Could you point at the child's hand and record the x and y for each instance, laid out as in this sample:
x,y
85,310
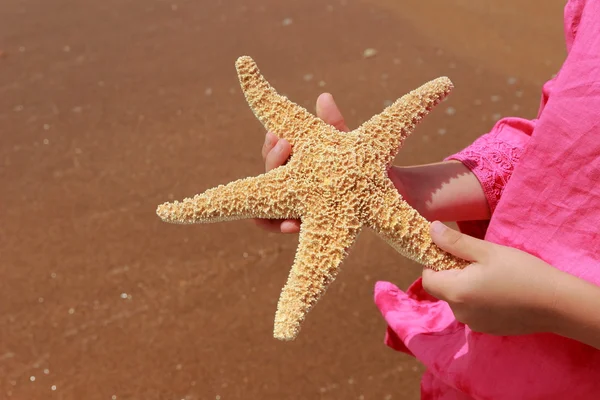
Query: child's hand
x,y
275,153
504,292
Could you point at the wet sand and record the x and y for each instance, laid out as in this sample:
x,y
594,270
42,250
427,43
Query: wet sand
x,y
110,108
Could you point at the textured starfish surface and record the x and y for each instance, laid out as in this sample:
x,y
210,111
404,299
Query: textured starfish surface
x,y
335,182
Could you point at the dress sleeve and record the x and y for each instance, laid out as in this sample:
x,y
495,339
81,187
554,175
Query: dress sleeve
x,y
492,158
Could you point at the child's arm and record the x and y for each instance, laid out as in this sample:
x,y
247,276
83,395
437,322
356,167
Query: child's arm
x,y
446,191
575,304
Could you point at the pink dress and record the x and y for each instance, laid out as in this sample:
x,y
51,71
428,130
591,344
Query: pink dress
x,y
542,181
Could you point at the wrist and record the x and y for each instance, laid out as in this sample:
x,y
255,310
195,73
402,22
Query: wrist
x,y
544,297
574,309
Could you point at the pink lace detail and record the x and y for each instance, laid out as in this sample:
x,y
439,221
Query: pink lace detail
x,y
492,161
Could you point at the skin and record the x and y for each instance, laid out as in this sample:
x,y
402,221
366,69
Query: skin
x,y
504,291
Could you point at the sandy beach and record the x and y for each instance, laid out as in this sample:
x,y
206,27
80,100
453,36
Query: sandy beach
x,y
109,108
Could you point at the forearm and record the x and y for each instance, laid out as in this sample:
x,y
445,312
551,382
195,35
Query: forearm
x,y
576,309
446,191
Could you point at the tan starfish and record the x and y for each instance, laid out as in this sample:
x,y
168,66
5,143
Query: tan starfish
x,y
335,182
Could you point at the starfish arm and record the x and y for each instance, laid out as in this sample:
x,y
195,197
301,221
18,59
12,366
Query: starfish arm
x,y
406,230
322,247
387,131
268,195
279,115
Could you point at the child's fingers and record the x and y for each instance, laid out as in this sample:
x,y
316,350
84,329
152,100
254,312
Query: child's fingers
x,y
329,112
270,142
290,226
278,155
275,152
441,284
457,243
271,225
278,225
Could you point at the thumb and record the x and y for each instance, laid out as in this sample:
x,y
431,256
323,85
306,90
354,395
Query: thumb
x,y
441,284
454,242
329,112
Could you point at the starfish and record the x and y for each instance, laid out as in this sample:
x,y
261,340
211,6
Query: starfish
x,y
335,182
